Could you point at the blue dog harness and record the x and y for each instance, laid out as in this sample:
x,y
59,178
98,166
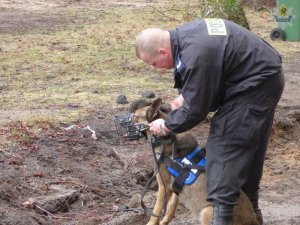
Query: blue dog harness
x,y
190,159
185,170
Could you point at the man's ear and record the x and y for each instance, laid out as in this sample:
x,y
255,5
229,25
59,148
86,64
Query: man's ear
x,y
163,51
153,110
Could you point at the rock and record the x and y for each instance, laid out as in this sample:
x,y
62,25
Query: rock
x,y
2,87
143,176
57,201
10,217
135,201
148,94
121,99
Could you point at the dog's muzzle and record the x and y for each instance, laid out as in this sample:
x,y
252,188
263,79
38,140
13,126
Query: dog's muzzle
x,y
127,129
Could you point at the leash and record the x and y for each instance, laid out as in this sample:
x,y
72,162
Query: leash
x,y
155,142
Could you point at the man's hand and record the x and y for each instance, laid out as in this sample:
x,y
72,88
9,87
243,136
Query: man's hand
x,y
158,128
177,102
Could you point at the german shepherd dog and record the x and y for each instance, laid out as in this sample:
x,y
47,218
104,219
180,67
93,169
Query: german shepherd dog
x,y
193,196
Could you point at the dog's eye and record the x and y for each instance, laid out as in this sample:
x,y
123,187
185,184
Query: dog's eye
x,y
134,117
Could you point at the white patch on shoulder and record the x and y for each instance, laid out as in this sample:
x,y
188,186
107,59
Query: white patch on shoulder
x,y
216,26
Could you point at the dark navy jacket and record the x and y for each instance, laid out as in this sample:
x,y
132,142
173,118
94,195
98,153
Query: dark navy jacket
x,y
216,62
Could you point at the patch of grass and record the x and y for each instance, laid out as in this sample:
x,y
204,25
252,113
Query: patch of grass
x,y
90,59
87,63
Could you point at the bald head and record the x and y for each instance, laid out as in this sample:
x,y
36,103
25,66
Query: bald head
x,y
150,40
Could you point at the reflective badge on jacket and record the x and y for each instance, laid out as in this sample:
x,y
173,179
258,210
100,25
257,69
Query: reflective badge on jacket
x,y
180,67
193,174
216,26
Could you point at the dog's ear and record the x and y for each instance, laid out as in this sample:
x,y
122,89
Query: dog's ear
x,y
137,104
153,110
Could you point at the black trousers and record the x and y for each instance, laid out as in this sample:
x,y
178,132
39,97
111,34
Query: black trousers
x,y
238,140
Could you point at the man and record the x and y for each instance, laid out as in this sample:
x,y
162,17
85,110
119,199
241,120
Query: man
x,y
222,67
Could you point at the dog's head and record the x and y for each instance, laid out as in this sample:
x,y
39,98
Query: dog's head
x,y
134,125
149,111
143,112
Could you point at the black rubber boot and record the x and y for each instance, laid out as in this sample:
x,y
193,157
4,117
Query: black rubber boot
x,y
222,215
253,197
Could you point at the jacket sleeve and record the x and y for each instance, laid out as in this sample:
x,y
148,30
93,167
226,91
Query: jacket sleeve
x,y
202,91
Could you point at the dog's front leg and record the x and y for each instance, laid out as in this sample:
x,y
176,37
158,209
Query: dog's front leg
x,y
159,202
171,208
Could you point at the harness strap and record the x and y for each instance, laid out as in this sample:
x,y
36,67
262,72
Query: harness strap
x,y
193,166
197,158
172,163
179,181
156,141
174,144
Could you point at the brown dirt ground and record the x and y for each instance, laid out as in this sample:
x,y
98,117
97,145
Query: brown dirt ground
x,y
105,176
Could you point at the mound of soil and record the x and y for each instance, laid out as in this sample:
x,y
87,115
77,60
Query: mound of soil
x,y
83,174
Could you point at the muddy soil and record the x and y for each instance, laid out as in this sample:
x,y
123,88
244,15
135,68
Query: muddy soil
x,y
83,174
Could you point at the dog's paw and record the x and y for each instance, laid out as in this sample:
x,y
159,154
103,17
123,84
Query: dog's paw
x,y
152,223
163,223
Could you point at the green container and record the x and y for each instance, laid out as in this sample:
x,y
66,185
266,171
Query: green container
x,y
287,15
